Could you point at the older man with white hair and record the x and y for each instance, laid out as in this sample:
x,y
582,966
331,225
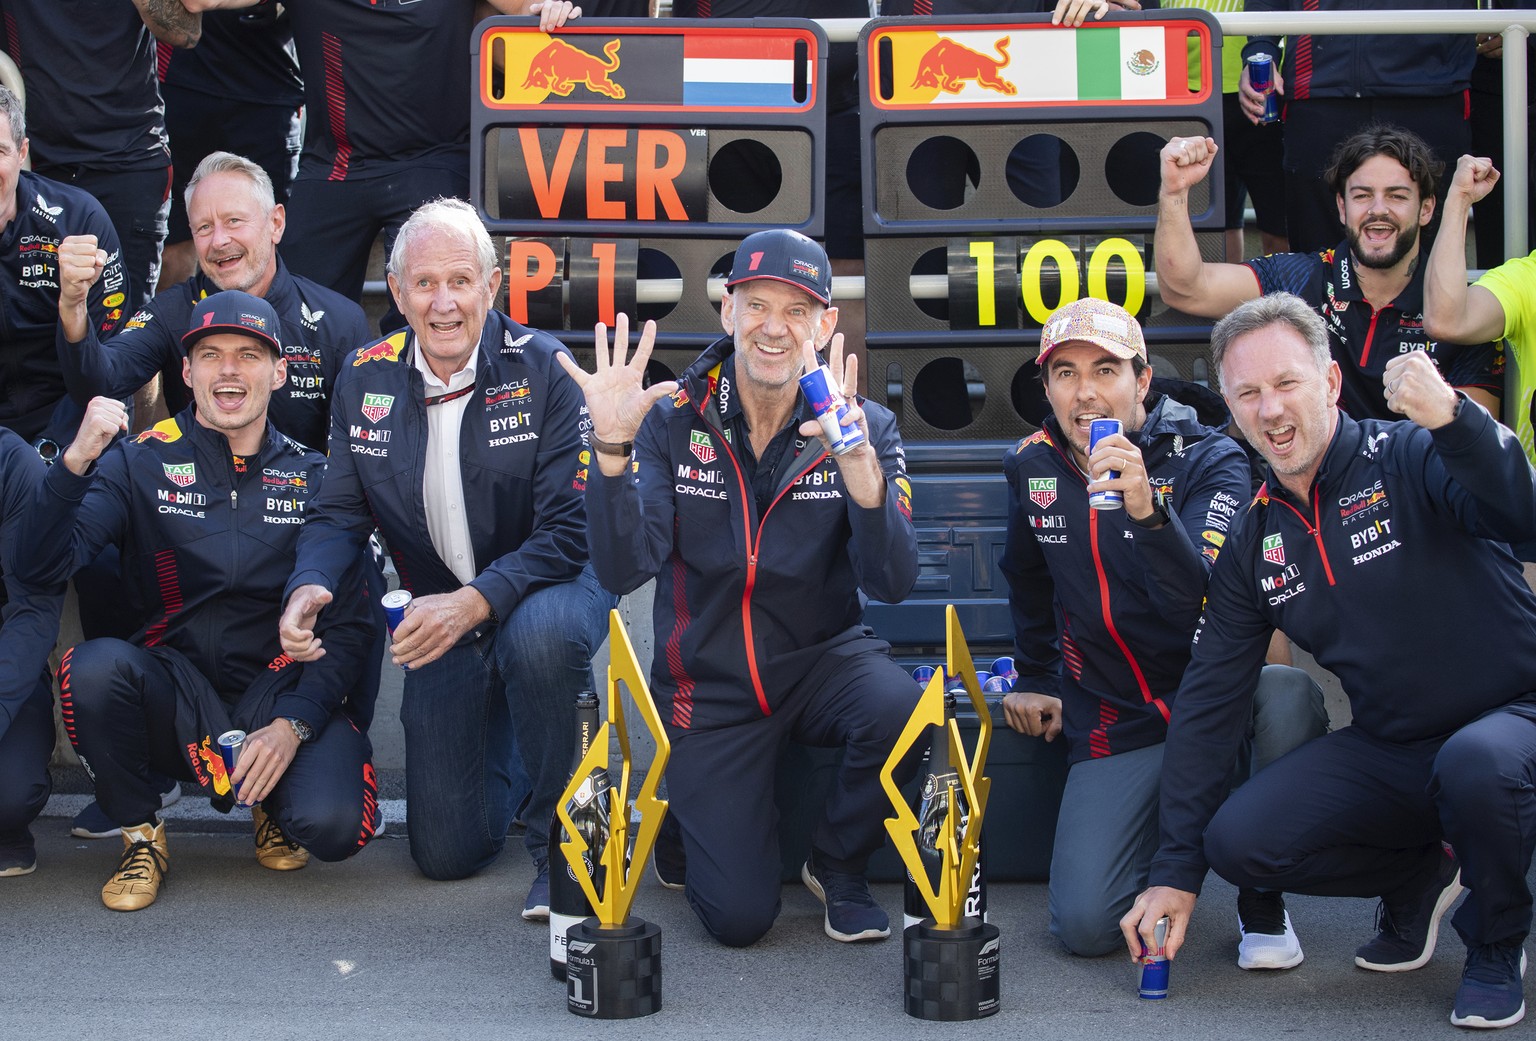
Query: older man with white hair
x,y
460,437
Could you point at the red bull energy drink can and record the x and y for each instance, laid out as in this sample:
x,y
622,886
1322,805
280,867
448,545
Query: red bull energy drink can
x,y
230,743
1098,430
395,602
831,409
1261,77
996,684
1154,964
923,674
1005,668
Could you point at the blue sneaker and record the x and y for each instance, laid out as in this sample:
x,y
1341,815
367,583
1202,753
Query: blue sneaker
x,y
93,822
1491,994
536,907
1407,928
852,913
18,857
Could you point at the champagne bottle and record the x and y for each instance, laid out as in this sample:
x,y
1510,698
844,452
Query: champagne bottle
x,y
939,779
589,810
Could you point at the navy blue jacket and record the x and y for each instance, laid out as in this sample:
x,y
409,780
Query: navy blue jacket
x,y
521,458
1394,575
205,550
32,396
748,603
1363,339
319,328
1422,65
1103,609
29,617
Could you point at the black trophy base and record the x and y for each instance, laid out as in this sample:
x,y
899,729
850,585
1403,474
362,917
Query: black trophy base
x,y
951,974
613,973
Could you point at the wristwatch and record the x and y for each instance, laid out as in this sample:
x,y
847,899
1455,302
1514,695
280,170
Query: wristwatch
x,y
1157,518
301,730
620,448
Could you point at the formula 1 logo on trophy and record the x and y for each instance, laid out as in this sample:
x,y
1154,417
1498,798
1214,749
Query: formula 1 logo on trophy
x,y
613,961
950,961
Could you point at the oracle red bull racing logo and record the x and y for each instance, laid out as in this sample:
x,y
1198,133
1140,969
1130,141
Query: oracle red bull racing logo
x,y
560,67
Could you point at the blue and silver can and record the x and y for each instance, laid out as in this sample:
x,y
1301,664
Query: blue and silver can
x,y
996,684
395,602
1261,77
1005,668
831,408
1098,430
230,743
1154,964
923,674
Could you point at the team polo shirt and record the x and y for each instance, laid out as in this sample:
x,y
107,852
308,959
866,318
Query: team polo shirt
x,y
1513,285
92,96
1364,339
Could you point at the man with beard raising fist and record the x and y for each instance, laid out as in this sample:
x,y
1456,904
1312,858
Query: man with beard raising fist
x,y
1369,289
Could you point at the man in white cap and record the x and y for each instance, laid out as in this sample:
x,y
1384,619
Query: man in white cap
x,y
1104,603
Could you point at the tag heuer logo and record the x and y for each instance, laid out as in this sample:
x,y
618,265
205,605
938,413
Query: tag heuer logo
x,y
1042,491
698,444
377,406
180,474
1274,550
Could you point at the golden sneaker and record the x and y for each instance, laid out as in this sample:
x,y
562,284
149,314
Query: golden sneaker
x,y
274,850
146,861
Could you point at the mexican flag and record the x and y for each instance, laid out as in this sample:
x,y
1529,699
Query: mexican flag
x,y
1040,63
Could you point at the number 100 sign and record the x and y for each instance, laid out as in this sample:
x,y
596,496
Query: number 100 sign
x,y
1012,282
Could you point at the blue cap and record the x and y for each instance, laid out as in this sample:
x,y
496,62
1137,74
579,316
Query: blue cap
x,y
783,256
235,312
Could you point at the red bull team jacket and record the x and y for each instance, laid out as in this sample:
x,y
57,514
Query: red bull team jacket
x,y
1394,574
521,457
29,617
206,544
748,602
319,328
1103,609
33,401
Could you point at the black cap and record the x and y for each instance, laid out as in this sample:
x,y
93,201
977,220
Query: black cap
x,y
784,256
235,312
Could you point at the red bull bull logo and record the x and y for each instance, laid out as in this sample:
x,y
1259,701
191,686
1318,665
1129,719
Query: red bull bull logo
x,y
213,765
947,66
384,350
559,67
152,435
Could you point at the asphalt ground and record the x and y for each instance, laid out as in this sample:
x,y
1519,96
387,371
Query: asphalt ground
x,y
369,948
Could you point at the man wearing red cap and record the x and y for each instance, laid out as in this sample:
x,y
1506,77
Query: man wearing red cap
x,y
761,542
206,509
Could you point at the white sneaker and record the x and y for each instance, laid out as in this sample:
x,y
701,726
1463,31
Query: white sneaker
x,y
1268,941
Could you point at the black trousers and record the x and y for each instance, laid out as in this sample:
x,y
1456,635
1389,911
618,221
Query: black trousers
x,y
120,708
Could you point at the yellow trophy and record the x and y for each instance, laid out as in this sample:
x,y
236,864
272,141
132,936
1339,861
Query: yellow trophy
x,y
950,961
613,960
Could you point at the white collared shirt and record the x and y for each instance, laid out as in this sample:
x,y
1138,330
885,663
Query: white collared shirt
x,y
442,482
